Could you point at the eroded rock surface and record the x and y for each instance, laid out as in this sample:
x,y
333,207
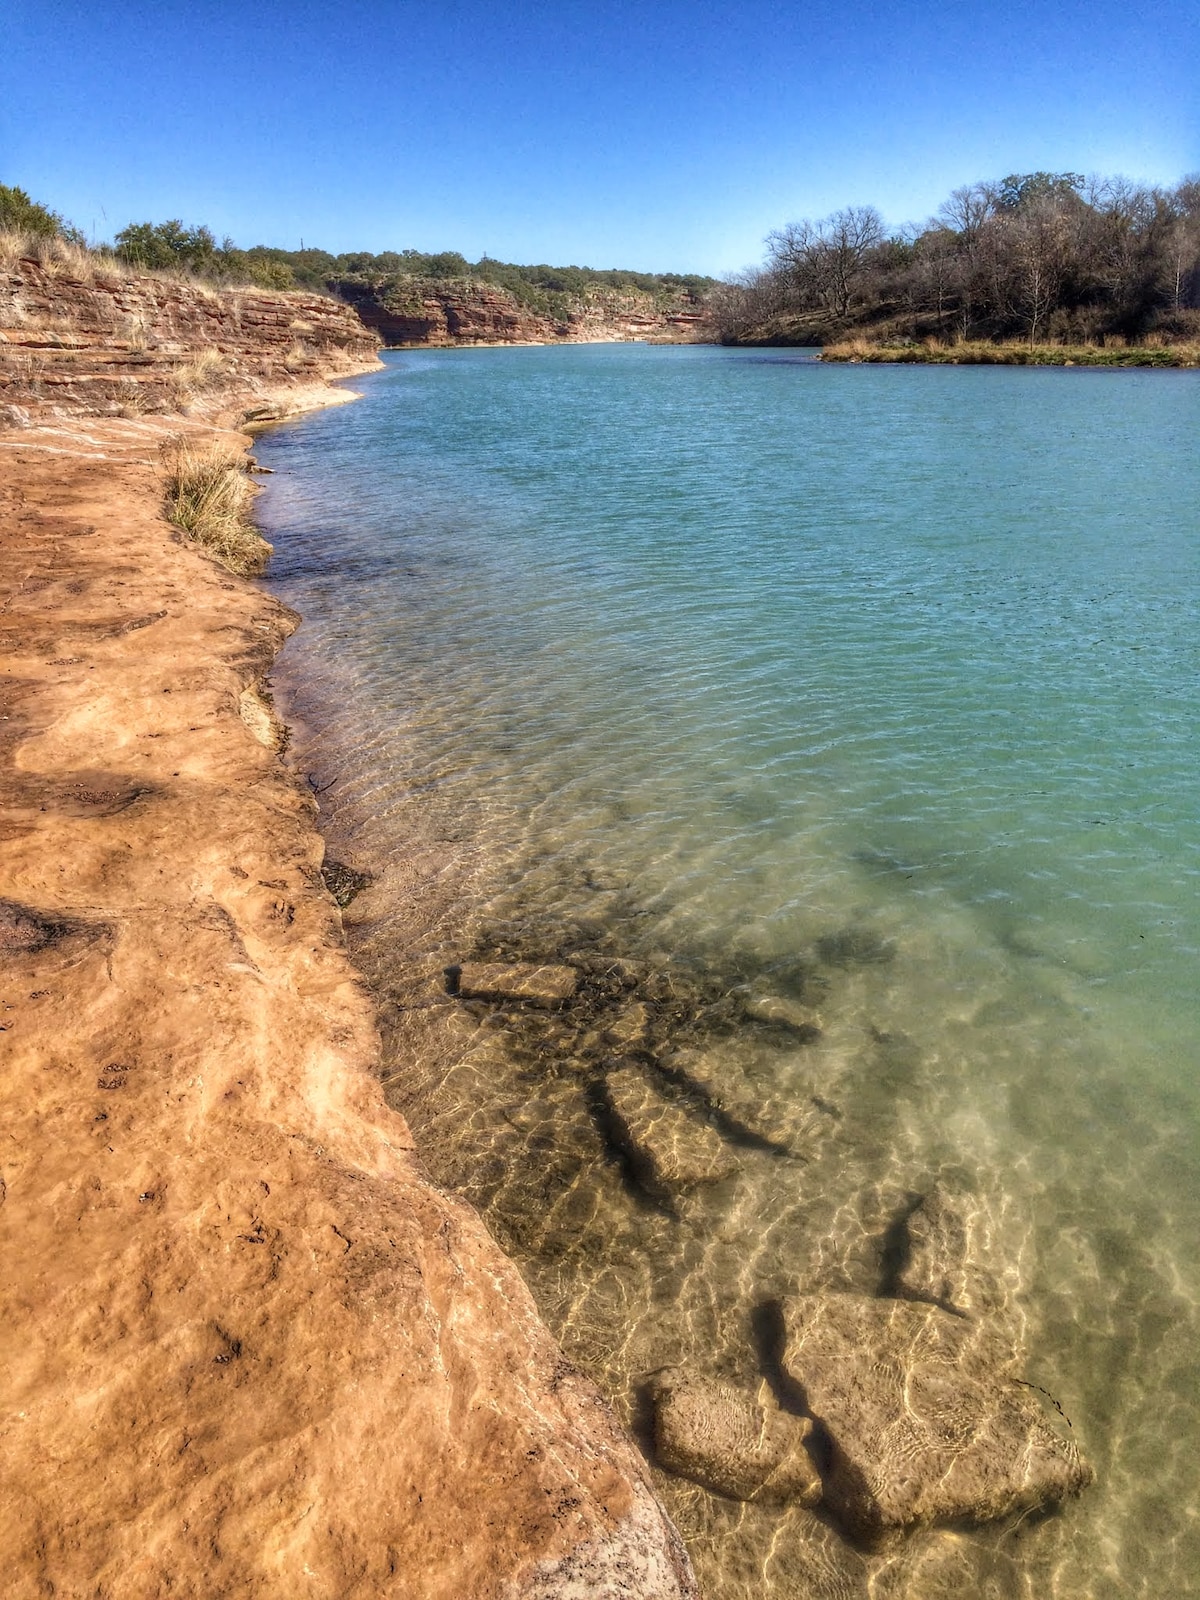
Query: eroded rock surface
x,y
731,1443
246,1347
446,311
924,1426
110,340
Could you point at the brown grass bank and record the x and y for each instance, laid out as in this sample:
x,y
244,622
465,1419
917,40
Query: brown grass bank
x,y
1015,353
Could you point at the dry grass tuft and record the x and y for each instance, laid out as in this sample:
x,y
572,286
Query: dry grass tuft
x,y
297,356
58,257
209,496
203,373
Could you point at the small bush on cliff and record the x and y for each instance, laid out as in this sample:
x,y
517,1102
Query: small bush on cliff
x,y
208,497
206,371
20,214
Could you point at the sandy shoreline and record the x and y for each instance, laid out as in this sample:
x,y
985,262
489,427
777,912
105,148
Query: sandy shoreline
x,y
249,1347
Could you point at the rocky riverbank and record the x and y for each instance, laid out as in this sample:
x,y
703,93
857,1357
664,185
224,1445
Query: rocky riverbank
x,y
81,336
249,1347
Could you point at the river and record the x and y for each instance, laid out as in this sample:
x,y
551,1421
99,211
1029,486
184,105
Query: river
x,y
872,692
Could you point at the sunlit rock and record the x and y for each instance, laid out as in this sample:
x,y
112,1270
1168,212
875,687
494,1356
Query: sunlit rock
x,y
671,1148
730,1443
924,1426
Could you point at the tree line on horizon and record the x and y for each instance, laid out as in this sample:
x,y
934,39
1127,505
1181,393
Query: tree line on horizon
x,y
1043,256
195,250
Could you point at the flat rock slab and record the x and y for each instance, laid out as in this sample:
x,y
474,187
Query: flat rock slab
x,y
778,1114
515,980
947,1257
783,1012
924,1426
725,1440
671,1148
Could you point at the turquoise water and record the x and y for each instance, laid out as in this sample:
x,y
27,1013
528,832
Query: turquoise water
x,y
696,659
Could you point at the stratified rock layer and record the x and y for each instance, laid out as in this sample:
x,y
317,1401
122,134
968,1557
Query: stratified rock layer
x,y
112,341
447,311
925,1425
247,1348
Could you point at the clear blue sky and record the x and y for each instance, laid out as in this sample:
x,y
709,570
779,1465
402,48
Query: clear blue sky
x,y
661,136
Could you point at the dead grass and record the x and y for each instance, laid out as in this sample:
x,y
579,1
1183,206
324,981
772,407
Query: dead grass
x,y
1114,352
205,372
58,258
209,495
298,356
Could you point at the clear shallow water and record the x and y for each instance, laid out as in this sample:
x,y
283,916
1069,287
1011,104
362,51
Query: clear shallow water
x,y
687,659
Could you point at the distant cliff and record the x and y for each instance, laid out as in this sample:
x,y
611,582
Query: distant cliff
x,y
407,310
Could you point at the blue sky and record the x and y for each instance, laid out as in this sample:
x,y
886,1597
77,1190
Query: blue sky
x,y
660,136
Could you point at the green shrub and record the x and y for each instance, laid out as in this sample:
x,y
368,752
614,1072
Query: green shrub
x,y
20,214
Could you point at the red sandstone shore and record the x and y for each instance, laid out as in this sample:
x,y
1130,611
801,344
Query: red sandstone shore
x,y
249,1348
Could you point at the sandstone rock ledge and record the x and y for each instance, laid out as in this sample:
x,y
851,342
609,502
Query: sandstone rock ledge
x,y
247,1348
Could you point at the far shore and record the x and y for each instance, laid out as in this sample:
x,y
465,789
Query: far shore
x,y
970,353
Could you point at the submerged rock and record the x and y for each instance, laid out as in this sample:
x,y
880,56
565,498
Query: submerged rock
x,y
343,882
855,946
778,1115
671,1148
943,1256
800,1019
924,1426
630,1026
513,980
723,1439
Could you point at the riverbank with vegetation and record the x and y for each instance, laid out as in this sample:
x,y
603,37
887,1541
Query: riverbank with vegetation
x,y
1045,260
1015,353
406,296
235,1301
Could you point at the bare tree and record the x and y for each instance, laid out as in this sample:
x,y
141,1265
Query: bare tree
x,y
1039,254
743,303
968,209
825,259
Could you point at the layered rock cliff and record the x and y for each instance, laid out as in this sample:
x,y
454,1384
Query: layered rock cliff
x,y
85,337
445,311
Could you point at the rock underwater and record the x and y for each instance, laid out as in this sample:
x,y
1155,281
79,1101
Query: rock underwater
x,y
730,1443
925,1423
